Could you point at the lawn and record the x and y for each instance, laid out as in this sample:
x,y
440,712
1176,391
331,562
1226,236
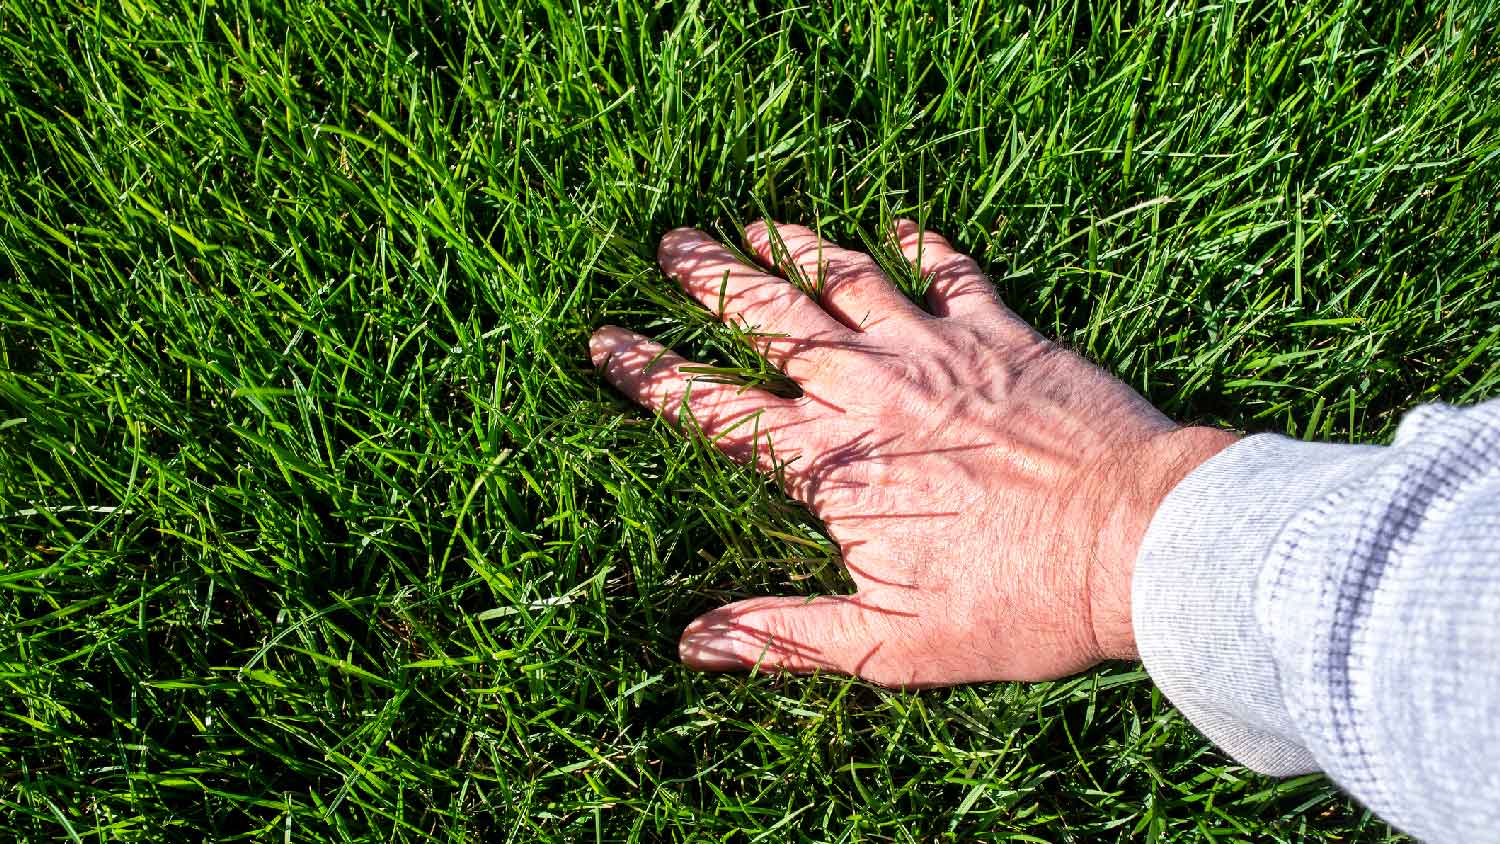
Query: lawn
x,y
317,525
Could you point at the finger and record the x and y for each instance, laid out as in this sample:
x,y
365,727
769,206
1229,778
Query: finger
x,y
741,421
795,330
850,284
956,285
838,633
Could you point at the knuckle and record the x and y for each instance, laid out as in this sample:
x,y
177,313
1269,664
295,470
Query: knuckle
x,y
954,267
922,236
813,365
850,268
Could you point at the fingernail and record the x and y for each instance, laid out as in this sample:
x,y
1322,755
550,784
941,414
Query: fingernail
x,y
603,344
706,651
676,240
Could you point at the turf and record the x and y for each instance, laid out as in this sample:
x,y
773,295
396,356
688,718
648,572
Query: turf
x,y
317,526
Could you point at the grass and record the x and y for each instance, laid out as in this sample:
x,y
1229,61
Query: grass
x,y
317,526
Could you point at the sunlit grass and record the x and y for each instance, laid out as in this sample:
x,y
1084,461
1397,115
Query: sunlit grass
x,y
316,523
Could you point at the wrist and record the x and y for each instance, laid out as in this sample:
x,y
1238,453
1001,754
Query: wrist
x,y
1133,489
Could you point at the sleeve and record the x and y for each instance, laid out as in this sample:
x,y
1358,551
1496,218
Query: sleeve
x,y
1337,608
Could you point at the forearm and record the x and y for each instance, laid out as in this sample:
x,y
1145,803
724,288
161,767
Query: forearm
x,y
1318,607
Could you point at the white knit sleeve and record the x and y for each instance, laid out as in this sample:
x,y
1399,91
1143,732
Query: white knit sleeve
x,y
1337,608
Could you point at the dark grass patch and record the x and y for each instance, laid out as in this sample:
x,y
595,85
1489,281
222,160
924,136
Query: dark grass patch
x,y
316,523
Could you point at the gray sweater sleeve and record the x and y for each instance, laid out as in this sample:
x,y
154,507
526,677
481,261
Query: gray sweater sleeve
x,y
1337,608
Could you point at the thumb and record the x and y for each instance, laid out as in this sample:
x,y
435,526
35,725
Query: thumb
x,y
840,633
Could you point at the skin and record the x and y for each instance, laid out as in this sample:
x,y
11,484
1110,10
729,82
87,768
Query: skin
x,y
988,489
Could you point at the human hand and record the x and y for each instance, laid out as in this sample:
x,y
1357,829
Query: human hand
x,y
988,489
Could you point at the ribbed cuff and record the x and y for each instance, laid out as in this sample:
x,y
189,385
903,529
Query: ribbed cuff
x,y
1193,591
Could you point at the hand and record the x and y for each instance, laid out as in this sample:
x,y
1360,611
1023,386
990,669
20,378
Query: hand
x,y
988,489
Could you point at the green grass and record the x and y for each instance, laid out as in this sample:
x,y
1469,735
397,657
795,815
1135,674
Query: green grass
x,y
316,525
